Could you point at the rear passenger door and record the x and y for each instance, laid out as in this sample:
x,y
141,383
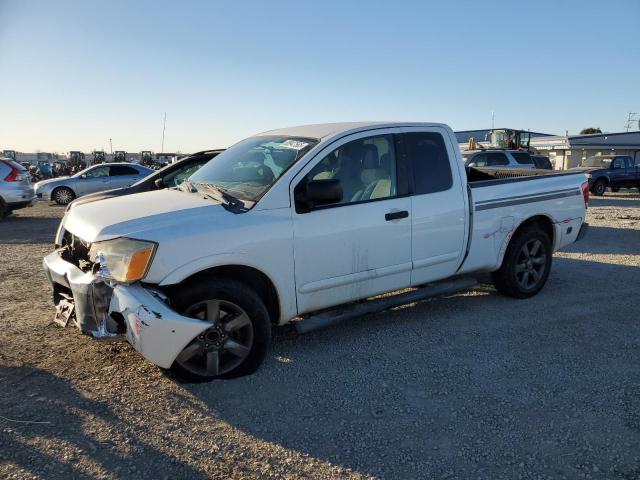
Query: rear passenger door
x,y
438,203
123,176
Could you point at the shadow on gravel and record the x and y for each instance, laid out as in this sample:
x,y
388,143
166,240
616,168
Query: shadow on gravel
x,y
16,230
607,240
38,396
473,386
616,200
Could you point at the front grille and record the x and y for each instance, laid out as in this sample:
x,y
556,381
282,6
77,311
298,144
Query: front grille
x,y
76,251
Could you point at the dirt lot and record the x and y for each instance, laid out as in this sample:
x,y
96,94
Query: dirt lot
x,y
471,386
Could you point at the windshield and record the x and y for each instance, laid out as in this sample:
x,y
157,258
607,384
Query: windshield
x,y
603,162
249,168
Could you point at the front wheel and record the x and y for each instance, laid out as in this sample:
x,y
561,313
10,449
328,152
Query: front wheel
x,y
237,338
599,188
526,264
63,195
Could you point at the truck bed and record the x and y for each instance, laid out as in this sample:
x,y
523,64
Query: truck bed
x,y
507,175
501,199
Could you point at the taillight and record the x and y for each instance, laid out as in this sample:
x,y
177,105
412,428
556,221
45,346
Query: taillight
x,y
585,194
14,174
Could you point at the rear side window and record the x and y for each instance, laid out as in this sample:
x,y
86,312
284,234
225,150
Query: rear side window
x,y
117,170
428,157
495,158
16,165
522,158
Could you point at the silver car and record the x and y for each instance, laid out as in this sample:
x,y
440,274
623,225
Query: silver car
x,y
96,178
15,187
499,159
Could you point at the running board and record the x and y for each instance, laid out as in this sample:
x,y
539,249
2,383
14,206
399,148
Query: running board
x,y
353,310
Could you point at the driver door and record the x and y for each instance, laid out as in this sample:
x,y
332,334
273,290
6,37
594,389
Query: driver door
x,y
94,180
360,246
618,175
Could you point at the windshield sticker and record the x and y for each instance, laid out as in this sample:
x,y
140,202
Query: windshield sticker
x,y
295,144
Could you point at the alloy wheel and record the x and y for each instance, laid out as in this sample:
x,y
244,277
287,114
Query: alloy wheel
x,y
531,264
63,196
224,345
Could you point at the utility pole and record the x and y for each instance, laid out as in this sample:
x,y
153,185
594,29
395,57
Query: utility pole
x,y
164,127
493,120
630,119
110,147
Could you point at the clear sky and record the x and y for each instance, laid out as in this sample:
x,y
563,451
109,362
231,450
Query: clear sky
x,y
74,74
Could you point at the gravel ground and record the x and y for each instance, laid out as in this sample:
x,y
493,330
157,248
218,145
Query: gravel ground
x,y
472,386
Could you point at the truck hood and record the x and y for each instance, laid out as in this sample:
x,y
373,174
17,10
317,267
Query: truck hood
x,y
131,215
585,169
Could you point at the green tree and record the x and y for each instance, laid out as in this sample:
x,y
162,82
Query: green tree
x,y
590,130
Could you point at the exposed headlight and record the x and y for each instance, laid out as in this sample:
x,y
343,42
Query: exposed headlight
x,y
123,259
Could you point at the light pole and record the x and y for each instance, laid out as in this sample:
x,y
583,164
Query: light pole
x,y
164,127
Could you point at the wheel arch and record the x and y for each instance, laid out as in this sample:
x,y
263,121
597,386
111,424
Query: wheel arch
x,y
250,276
601,178
542,221
58,187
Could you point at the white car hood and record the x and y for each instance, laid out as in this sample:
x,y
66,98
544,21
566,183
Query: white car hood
x,y
131,214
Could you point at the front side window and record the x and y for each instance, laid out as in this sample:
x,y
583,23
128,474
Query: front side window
x,y
366,169
618,163
97,172
478,160
427,154
179,175
249,168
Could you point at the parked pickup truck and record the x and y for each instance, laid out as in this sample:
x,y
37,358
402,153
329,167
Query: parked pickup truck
x,y
303,223
613,171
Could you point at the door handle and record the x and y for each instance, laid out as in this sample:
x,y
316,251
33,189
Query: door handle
x,y
396,215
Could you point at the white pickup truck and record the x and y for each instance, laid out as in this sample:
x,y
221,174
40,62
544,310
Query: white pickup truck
x,y
304,223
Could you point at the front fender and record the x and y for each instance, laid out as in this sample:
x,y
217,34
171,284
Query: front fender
x,y
282,281
204,263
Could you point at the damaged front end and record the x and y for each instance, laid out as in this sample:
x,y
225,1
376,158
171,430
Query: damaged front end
x,y
79,295
109,310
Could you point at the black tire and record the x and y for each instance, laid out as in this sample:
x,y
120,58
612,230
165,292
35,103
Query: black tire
x,y
615,189
4,210
599,188
228,293
510,278
63,195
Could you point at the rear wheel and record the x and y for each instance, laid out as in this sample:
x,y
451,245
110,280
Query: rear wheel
x,y
4,210
63,195
599,188
526,264
236,340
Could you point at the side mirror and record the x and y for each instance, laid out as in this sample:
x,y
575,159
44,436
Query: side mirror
x,y
317,193
159,183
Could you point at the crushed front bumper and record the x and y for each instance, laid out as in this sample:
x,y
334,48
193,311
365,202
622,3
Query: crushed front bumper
x,y
107,310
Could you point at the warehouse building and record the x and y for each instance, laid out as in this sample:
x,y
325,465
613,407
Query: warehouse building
x,y
570,151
